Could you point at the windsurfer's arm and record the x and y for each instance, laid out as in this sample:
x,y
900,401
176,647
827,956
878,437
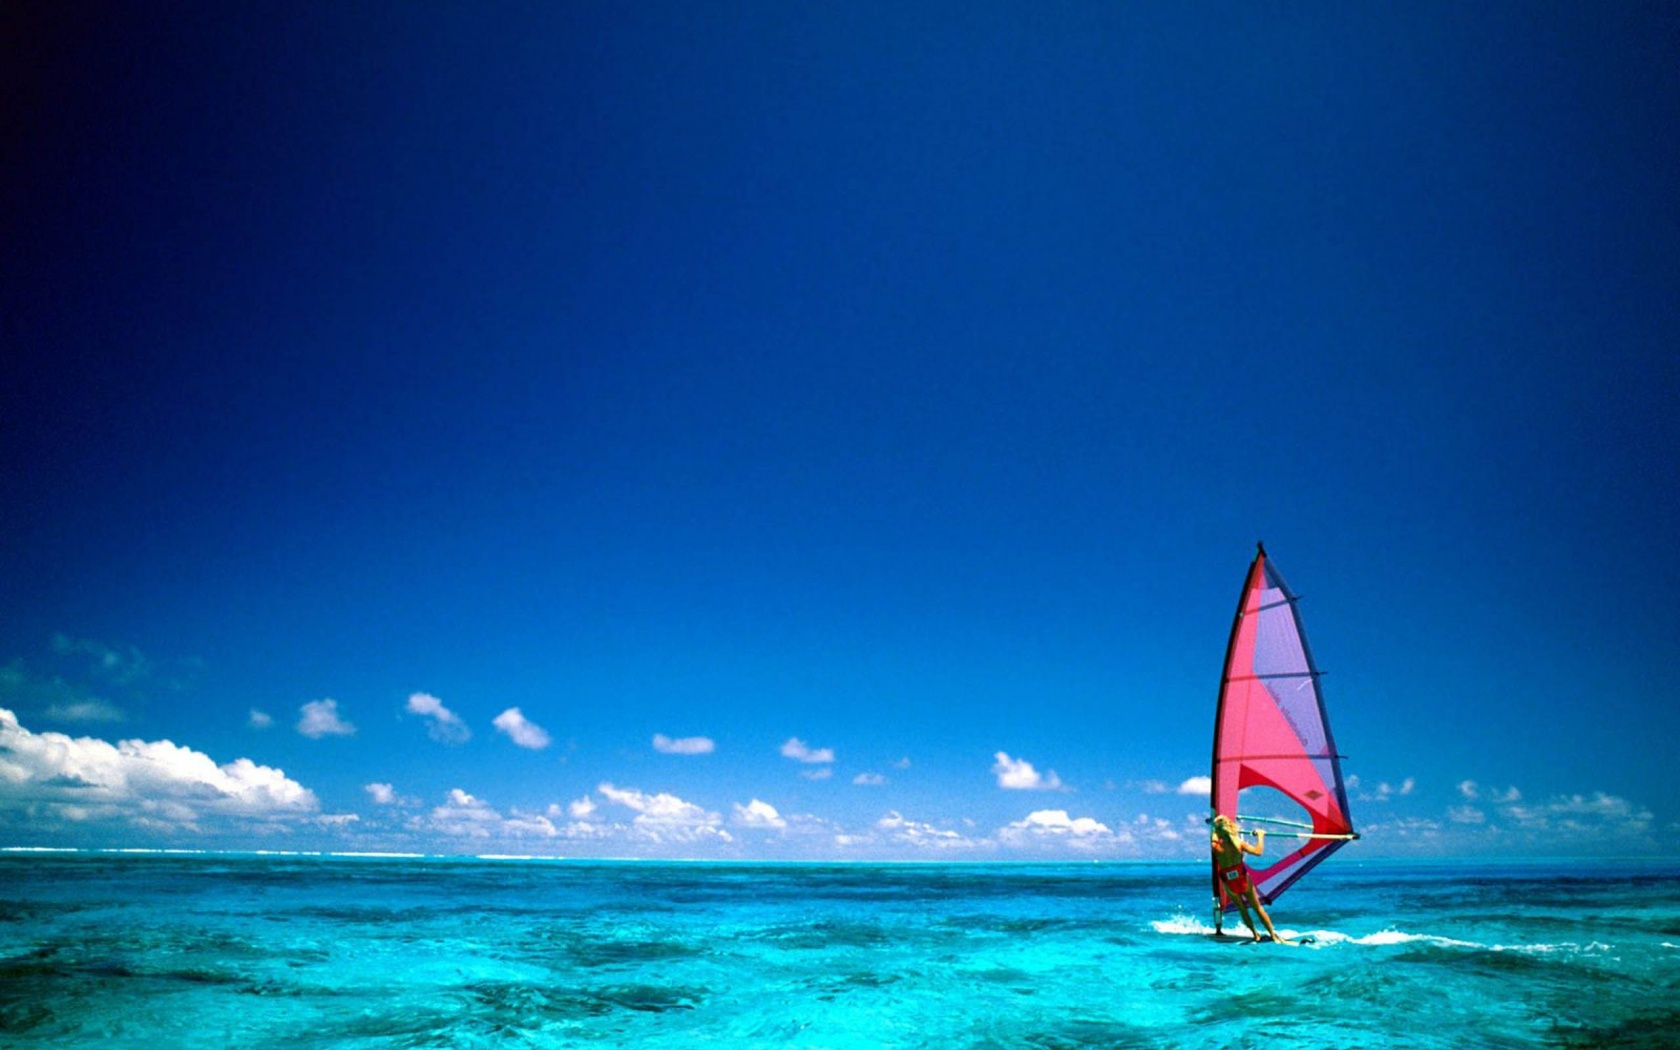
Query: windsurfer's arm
x,y
1259,847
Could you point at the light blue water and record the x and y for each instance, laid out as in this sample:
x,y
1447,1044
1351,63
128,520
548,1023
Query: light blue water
x,y
217,951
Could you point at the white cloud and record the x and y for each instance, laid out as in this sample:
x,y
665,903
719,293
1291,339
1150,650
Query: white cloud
x,y
464,816
1160,830
1579,814
1385,791
152,784
1418,832
1054,825
530,825
1500,818
688,745
1473,792
817,774
796,749
869,779
756,814
521,730
582,809
662,808
259,719
919,835
320,718
1200,787
664,818
445,725
903,763
1019,775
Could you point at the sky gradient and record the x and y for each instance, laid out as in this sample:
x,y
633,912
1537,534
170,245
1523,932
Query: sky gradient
x,y
830,432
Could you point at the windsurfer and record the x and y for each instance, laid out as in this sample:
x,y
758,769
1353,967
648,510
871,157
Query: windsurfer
x,y
1228,850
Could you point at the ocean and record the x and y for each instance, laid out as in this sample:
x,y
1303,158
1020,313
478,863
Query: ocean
x,y
213,950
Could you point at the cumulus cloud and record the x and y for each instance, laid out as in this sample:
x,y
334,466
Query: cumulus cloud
x,y
1199,787
149,784
1162,831
869,779
688,745
1384,791
1017,774
529,825
1056,826
797,750
756,814
1474,792
1576,814
521,730
1499,817
387,795
664,817
663,808
902,831
443,725
582,809
464,816
320,718
259,719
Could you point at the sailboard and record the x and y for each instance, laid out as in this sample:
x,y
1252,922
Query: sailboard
x,y
1274,761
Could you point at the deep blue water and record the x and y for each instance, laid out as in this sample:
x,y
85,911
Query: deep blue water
x,y
163,951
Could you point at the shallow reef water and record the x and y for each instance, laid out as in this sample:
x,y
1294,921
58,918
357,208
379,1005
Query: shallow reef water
x,y
153,950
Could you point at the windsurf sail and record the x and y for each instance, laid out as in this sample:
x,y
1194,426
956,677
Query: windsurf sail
x,y
1274,761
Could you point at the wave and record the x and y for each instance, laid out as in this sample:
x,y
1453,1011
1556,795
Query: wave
x,y
1184,925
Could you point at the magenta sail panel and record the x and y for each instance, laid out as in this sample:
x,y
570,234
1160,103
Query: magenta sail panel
x,y
1271,733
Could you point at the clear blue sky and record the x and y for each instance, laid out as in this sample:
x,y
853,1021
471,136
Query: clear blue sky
x,y
864,401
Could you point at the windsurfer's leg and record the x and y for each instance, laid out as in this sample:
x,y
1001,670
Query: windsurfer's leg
x,y
1248,920
1254,896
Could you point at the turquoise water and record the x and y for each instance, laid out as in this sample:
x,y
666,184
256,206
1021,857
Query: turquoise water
x,y
215,951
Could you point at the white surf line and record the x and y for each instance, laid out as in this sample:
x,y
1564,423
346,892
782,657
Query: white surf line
x,y
1189,926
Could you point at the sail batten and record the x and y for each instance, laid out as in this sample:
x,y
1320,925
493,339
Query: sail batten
x,y
1274,677
1271,731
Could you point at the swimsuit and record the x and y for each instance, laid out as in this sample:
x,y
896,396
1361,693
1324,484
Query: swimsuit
x,y
1233,880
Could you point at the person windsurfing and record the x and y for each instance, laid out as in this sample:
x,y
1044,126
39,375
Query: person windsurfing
x,y
1232,873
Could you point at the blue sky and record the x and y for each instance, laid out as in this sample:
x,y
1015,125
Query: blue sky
x,y
877,408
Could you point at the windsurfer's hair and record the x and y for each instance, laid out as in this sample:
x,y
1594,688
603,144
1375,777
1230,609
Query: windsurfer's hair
x,y
1225,826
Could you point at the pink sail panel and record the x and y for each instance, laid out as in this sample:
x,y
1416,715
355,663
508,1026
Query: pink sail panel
x,y
1271,730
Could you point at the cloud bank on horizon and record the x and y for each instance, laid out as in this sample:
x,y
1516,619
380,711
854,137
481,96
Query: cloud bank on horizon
x,y
57,789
